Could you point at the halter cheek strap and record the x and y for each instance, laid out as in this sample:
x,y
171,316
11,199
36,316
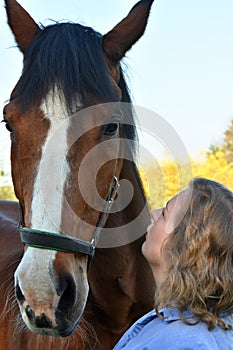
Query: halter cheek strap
x,y
63,243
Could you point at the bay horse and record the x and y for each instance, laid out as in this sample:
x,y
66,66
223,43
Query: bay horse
x,y
73,137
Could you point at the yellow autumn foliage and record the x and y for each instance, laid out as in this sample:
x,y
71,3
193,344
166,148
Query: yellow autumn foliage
x,y
215,167
162,180
7,193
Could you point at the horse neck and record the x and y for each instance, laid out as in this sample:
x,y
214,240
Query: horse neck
x,y
115,277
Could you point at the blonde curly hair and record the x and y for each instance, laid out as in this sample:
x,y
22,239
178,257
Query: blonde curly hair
x,y
199,258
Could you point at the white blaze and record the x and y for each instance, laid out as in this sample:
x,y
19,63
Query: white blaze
x,y
52,171
46,208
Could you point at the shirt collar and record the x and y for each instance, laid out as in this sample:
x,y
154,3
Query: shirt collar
x,y
169,313
172,314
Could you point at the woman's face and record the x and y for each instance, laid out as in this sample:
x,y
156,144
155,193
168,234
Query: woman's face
x,y
164,222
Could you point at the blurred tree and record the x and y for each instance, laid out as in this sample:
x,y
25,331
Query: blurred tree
x,y
163,181
228,144
7,193
213,151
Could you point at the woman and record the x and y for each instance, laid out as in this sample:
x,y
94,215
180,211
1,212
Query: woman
x,y
190,250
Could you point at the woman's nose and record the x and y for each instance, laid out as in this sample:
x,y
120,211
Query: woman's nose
x,y
149,227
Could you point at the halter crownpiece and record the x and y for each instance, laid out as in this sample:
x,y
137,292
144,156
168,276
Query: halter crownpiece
x,y
63,243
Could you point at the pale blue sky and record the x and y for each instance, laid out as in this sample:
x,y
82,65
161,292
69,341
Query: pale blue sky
x,y
182,68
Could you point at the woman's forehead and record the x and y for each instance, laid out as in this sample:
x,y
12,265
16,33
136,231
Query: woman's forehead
x,y
177,208
180,199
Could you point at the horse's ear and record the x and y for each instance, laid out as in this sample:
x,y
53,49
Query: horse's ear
x,y
21,23
122,37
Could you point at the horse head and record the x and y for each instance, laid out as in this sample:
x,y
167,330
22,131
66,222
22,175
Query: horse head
x,y
65,154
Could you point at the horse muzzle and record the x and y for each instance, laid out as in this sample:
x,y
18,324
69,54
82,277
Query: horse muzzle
x,y
51,300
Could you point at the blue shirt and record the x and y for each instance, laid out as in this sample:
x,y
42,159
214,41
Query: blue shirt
x,y
152,333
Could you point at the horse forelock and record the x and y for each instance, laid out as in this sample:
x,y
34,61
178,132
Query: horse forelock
x,y
69,57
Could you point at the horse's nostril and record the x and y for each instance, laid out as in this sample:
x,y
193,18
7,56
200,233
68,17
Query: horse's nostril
x,y
19,294
68,294
30,314
43,321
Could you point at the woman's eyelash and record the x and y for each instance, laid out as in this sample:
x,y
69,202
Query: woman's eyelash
x,y
163,212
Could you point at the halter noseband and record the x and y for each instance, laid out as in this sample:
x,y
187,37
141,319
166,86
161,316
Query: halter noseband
x,y
59,242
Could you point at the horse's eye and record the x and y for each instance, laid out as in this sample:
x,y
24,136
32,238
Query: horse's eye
x,y
111,129
7,124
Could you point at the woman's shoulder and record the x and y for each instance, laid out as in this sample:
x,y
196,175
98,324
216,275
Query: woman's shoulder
x,y
153,333
181,336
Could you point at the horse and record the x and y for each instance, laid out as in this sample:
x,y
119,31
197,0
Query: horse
x,y
71,269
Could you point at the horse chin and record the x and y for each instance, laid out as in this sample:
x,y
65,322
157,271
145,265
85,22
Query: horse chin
x,y
43,331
